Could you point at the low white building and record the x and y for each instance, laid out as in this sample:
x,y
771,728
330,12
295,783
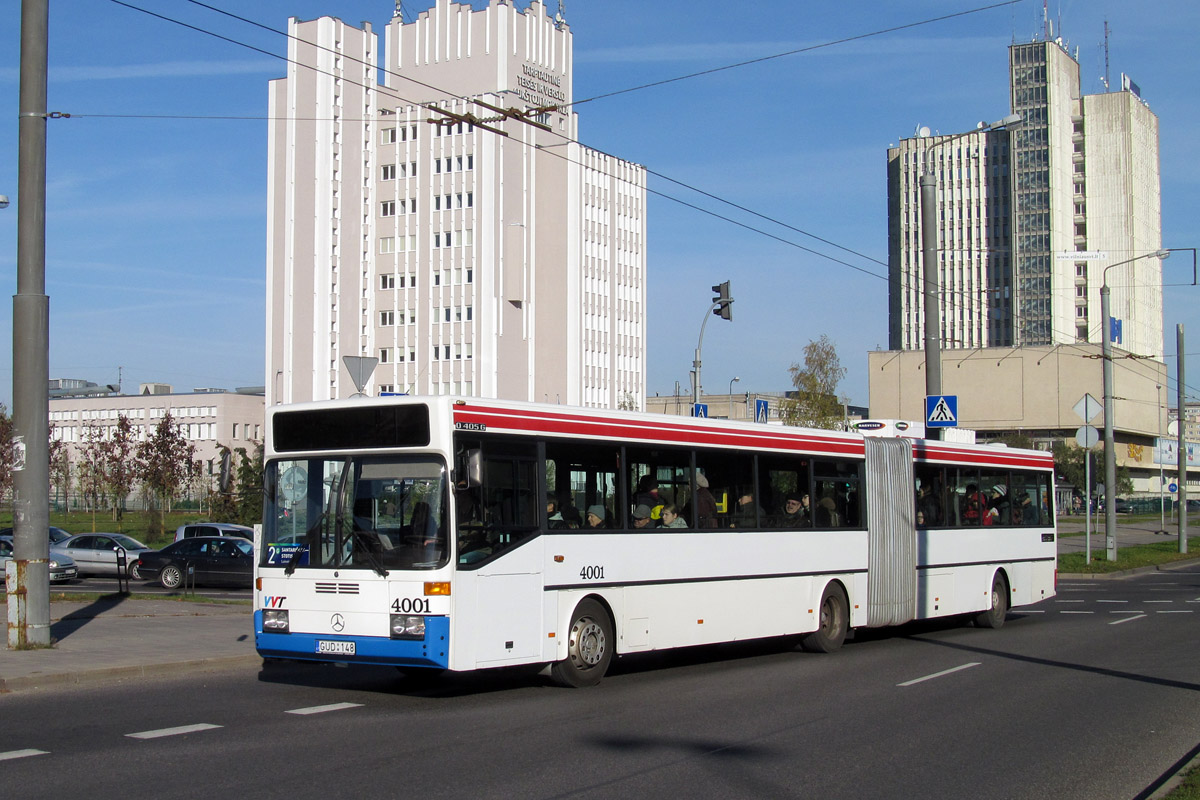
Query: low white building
x,y
207,418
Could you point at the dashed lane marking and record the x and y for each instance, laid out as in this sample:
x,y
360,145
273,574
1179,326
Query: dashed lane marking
x,y
1112,601
182,729
323,709
940,674
1070,601
11,754
1127,619
1077,612
1176,611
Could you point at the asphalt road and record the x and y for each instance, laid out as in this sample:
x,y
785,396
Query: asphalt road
x,y
1094,694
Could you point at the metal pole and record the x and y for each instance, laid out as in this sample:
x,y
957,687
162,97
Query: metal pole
x,y
1110,455
1182,447
1162,505
931,293
1087,503
731,383
29,581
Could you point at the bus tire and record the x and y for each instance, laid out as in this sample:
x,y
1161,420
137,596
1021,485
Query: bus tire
x,y
589,647
833,620
998,608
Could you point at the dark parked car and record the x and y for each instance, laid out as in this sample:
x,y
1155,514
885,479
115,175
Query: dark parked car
x,y
96,553
227,560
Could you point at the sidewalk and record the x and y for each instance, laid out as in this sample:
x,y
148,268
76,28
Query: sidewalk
x,y
127,638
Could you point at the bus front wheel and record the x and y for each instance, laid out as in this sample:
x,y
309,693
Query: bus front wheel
x,y
589,647
994,616
833,621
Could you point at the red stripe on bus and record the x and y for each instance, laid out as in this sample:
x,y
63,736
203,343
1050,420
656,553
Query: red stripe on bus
x,y
574,424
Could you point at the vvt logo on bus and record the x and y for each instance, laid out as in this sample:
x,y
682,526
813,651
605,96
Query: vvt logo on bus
x,y
273,602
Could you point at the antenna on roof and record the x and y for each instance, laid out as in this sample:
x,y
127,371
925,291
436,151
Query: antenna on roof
x,y
1106,56
399,12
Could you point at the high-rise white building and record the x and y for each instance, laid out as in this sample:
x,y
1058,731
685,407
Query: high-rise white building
x,y
1078,176
467,261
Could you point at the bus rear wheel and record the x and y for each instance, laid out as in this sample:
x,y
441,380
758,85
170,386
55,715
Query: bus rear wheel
x,y
994,616
589,647
833,622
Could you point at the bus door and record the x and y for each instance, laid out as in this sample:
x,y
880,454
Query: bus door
x,y
891,532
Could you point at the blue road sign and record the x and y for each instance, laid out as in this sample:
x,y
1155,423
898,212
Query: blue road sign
x,y
1172,487
941,411
700,410
760,410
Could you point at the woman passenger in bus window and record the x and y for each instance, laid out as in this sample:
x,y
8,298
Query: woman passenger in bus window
x,y
671,518
705,504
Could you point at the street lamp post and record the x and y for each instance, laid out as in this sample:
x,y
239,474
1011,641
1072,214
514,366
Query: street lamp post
x,y
731,383
1162,507
929,267
1110,456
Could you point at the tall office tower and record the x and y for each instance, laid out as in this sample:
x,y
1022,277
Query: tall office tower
x,y
1029,218
504,264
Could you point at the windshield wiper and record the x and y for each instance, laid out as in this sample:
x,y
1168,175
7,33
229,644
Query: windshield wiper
x,y
364,546
295,559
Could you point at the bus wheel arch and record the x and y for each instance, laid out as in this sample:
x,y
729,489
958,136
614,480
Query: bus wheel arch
x,y
833,620
590,641
998,602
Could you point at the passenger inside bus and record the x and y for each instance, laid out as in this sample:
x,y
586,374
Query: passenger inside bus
x,y
596,517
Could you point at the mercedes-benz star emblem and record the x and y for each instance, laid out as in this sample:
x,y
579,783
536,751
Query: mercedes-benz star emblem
x,y
337,622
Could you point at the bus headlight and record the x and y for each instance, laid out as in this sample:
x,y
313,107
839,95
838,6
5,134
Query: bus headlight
x,y
275,620
407,626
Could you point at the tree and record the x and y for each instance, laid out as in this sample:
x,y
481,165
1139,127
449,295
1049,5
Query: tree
x,y
1070,466
165,462
60,469
6,453
119,467
815,402
89,468
250,486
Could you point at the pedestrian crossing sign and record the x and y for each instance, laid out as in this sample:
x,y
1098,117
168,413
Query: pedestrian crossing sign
x,y
941,411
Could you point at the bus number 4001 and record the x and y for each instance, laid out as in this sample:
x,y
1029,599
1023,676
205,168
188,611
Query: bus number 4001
x,y
411,606
591,573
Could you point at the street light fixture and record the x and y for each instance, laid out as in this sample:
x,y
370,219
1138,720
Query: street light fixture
x,y
1110,456
929,266
3,201
731,383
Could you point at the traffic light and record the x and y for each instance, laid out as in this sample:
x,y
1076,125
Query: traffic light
x,y
724,301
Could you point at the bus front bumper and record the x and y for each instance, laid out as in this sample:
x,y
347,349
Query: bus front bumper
x,y
432,651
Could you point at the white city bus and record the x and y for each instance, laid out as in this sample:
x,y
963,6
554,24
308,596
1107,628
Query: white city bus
x,y
454,533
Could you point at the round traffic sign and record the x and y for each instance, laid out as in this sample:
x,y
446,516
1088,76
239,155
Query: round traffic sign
x,y
1172,487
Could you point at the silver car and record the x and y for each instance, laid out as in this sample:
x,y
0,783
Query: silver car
x,y
62,568
96,553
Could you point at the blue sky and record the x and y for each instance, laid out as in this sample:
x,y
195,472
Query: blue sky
x,y
156,227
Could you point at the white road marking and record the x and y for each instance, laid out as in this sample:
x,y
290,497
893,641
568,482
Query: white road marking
x,y
1029,611
182,729
1176,611
939,674
1112,601
1157,601
1127,619
1077,612
323,709
11,754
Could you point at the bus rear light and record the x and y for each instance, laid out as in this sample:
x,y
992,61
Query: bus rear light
x,y
275,620
406,626
437,588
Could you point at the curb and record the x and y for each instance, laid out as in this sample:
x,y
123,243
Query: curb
x,y
107,674
1125,573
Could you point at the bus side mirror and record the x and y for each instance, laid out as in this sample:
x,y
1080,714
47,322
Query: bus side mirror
x,y
474,468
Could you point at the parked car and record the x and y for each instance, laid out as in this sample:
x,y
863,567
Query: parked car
x,y
1123,506
62,568
96,553
213,529
56,534
227,560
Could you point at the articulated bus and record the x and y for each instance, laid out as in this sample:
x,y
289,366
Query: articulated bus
x,y
456,533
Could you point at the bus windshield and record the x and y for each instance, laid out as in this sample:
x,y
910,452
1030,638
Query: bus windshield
x,y
349,512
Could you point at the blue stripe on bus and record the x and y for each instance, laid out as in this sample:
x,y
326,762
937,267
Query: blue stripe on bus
x,y
433,651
